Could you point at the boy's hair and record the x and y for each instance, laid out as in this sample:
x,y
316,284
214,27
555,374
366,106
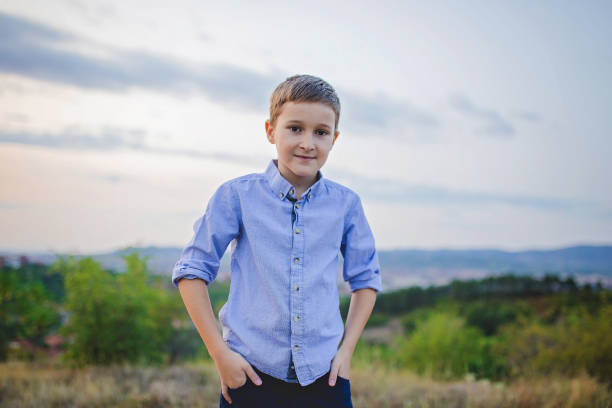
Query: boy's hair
x,y
303,88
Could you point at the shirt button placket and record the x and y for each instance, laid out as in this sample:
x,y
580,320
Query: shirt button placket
x,y
297,269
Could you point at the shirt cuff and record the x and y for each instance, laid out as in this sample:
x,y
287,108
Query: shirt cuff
x,y
190,273
374,283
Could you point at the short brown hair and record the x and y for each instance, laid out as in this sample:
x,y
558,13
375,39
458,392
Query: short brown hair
x,y
303,88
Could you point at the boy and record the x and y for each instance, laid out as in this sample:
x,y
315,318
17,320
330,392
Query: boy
x,y
281,323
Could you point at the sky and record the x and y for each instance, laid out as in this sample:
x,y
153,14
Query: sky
x,y
476,124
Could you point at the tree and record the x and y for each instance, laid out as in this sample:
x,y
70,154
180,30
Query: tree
x,y
108,313
27,310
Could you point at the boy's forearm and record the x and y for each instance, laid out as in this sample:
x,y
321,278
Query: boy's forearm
x,y
195,296
362,303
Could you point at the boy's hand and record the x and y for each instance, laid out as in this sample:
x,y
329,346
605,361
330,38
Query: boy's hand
x,y
341,365
233,371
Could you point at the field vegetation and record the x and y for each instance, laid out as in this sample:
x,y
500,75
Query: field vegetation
x,y
73,334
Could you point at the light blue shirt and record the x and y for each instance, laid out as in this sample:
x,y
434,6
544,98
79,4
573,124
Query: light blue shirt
x,y
282,313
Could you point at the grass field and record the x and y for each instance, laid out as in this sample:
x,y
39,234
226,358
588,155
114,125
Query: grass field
x,y
197,385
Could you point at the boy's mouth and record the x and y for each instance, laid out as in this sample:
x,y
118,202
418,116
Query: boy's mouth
x,y
304,157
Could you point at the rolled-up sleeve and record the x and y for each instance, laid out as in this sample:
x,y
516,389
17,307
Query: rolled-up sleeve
x,y
361,268
213,232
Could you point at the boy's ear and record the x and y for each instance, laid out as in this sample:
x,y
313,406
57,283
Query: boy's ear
x,y
269,131
335,137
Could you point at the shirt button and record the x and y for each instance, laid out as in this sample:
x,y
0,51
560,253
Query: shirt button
x,y
292,367
297,231
309,196
296,287
296,348
291,191
297,205
281,195
296,318
296,260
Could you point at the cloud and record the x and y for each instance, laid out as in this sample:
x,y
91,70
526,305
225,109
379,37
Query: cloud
x,y
113,178
109,139
528,116
382,112
73,138
10,205
14,117
34,50
393,191
378,189
11,87
493,124
18,30
93,13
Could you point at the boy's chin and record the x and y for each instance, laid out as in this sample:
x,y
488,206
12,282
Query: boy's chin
x,y
301,172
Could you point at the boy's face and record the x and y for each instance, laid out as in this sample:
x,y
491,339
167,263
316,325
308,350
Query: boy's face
x,y
303,135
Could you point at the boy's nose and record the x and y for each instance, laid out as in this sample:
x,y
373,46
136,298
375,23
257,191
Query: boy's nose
x,y
307,142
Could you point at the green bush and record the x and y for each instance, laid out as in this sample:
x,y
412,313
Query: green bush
x,y
578,342
368,355
443,347
489,315
377,320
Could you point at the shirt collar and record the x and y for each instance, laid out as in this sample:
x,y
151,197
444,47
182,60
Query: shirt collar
x,y
282,187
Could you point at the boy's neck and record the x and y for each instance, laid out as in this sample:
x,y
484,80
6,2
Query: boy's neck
x,y
300,184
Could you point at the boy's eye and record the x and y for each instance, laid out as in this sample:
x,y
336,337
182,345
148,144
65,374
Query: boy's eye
x,y
321,132
294,128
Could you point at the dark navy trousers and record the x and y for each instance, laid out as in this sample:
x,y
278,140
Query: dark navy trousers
x,y
275,393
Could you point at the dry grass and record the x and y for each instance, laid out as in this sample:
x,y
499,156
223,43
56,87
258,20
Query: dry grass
x,y
378,387
197,385
34,385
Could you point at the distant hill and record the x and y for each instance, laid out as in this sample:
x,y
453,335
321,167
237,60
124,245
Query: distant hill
x,y
408,267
